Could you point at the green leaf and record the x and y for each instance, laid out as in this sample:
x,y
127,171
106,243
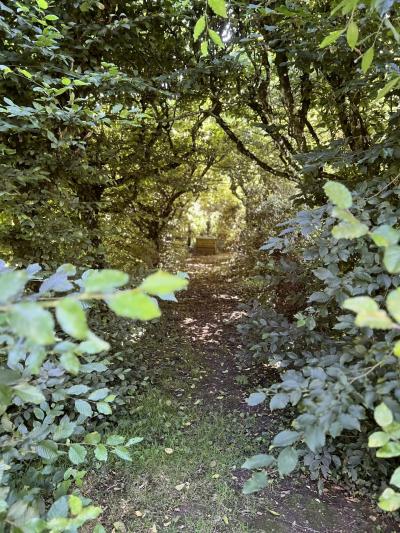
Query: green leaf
x,y
66,81
385,236
162,283
92,438
255,398
83,407
367,59
25,73
388,87
72,318
11,284
29,393
260,460
331,38
199,27
215,38
101,453
285,438
115,440
374,319
395,479
98,394
396,349
64,430
70,362
47,450
391,259
257,482
393,304
122,453
378,439
75,504
314,437
279,401
42,4
383,415
338,194
204,48
219,7
134,304
389,500
77,454
360,303
391,449
349,230
287,461
93,344
133,441
104,280
352,34
6,394
30,320
103,408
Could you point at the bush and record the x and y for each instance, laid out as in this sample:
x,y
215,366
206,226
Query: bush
x,y
52,394
337,370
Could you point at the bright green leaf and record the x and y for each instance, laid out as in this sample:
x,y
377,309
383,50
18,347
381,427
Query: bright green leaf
x,y
374,319
219,7
378,439
215,38
104,280
162,283
360,303
395,479
70,362
389,500
393,304
352,34
100,452
331,38
75,504
32,321
383,415
367,59
134,304
385,236
199,28
72,318
338,194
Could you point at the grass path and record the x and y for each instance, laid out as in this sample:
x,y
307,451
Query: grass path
x,y
198,430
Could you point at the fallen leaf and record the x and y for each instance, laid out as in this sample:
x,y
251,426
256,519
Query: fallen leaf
x,y
181,486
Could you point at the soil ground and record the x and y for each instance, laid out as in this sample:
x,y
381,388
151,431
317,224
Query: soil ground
x,y
198,430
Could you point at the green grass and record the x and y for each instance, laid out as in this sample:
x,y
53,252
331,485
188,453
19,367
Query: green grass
x,y
195,487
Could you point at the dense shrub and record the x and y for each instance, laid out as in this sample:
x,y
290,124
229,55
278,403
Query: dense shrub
x,y
56,388
335,371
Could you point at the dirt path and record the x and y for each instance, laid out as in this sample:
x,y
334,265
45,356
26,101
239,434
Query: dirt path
x,y
208,315
198,430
